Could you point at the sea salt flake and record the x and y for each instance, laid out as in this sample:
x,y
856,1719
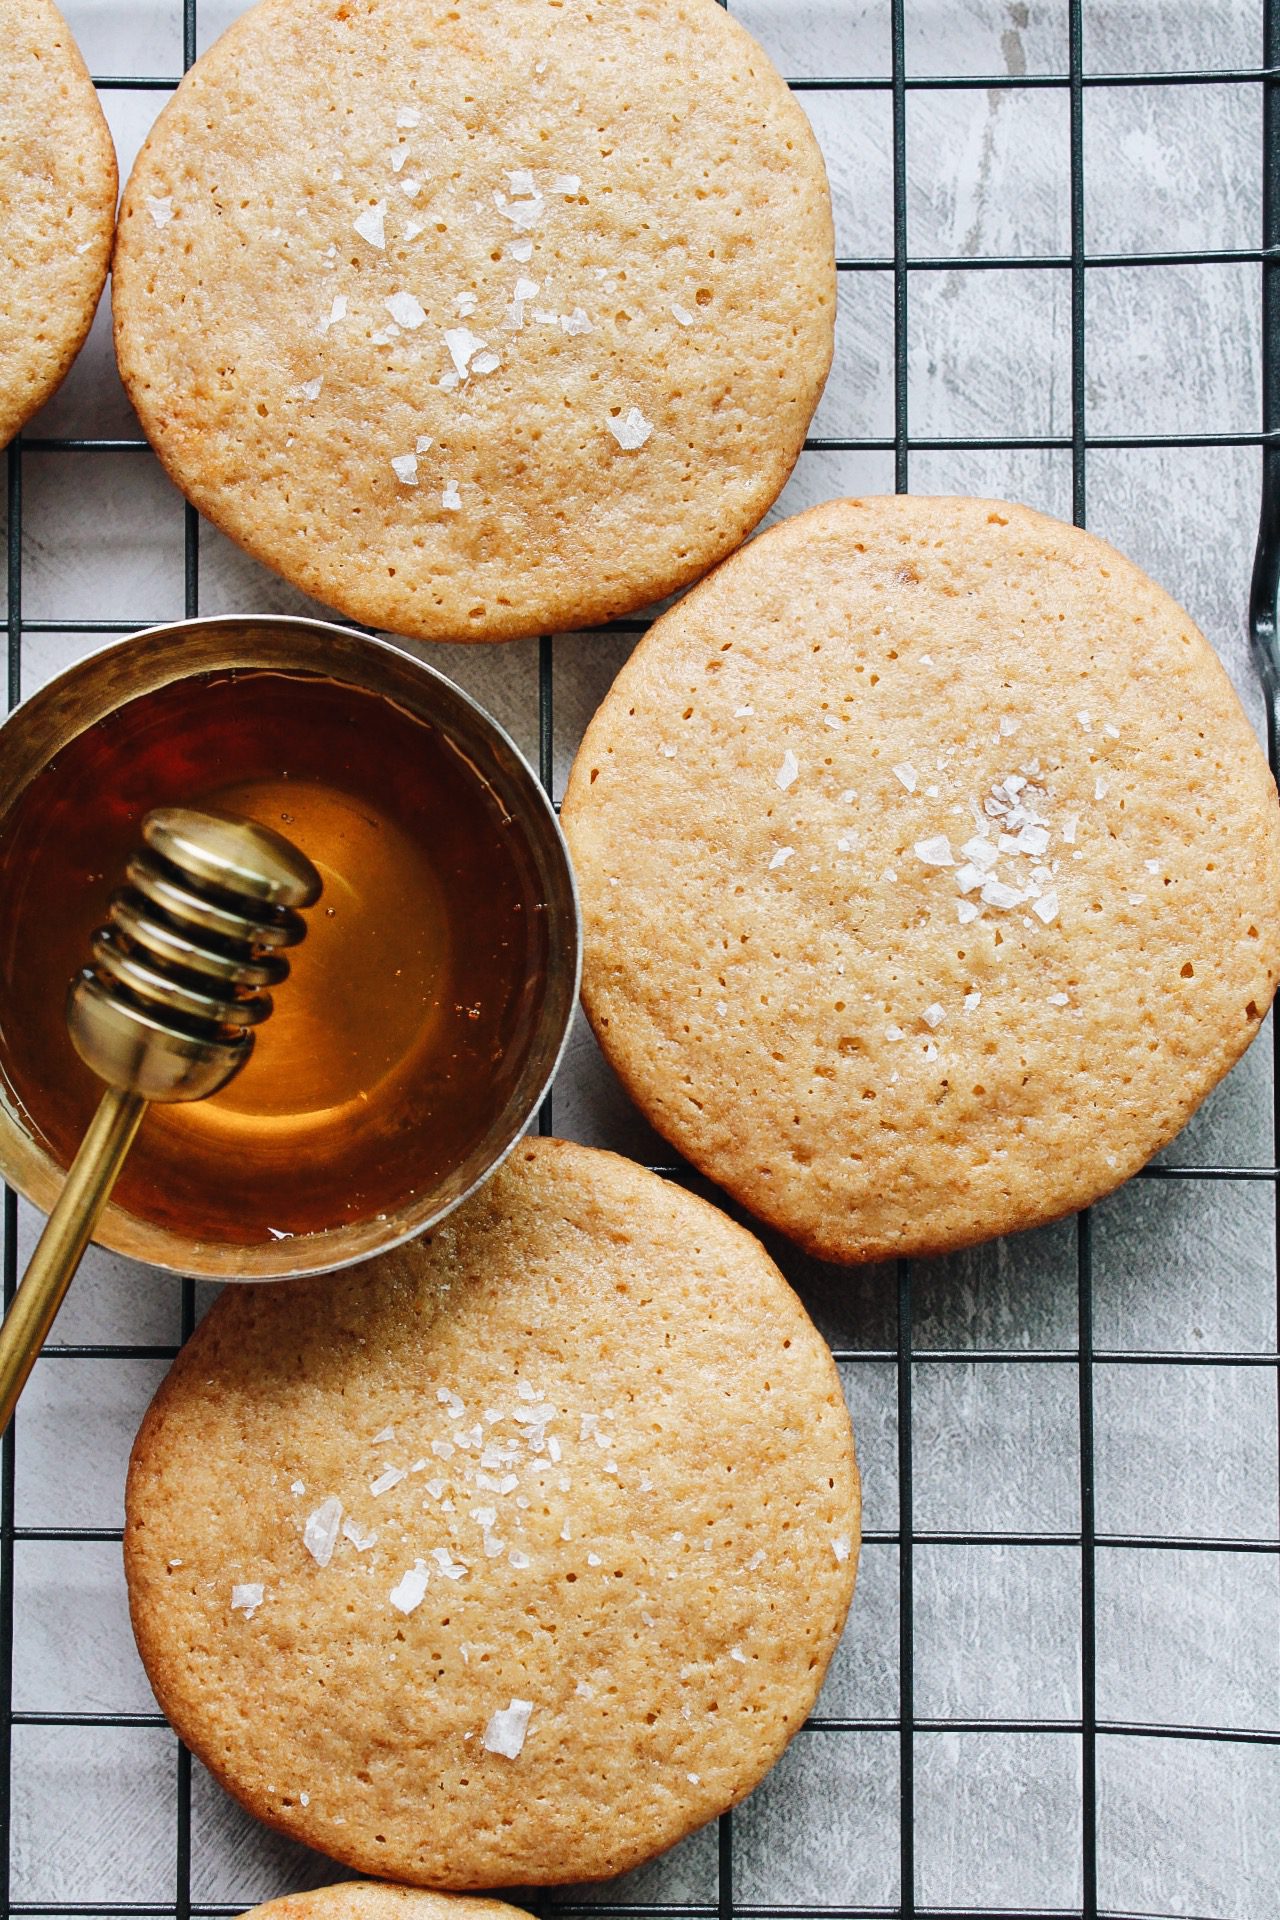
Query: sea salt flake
x,y
310,389
443,1449
337,312
160,208
451,499
546,316
972,1001
524,214
355,1533
406,468
1100,788
519,1560
1137,899
298,1486
247,1596
320,1533
966,911
907,775
789,772
593,1560
487,362
894,1033
840,1547
390,1477
935,851
410,188
631,431
371,225
383,1438
741,713
451,1569
585,1691
1069,826
507,1728
1152,866
566,183
1112,732
1046,907
736,1653
463,345
412,228
695,1779
682,314
930,1050
520,250
522,182
575,322
781,857
408,117
410,1590
1008,725
969,876
1085,720
934,1015
405,310
1058,1000
997,894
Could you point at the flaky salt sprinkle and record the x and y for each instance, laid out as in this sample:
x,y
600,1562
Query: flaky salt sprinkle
x,y
298,1486
895,1033
1046,907
781,857
935,851
320,1533
337,312
388,1478
405,466
1059,1000
840,1547
451,499
310,389
575,322
980,852
247,1597
423,443
631,431
405,310
371,225
566,183
522,214
410,1591
995,893
682,314
160,207
934,1015
907,775
972,1001
520,250
507,1729
463,345
408,117
1069,826
966,911
356,1534
486,362
789,772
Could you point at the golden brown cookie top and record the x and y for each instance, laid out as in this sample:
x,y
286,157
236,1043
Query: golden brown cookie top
x,y
511,1556
375,1900
58,195
930,871
479,322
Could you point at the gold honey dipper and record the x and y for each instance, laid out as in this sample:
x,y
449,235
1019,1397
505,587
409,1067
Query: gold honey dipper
x,y
180,977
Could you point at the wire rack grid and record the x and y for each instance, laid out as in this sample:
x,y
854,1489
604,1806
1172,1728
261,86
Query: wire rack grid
x,y
891,1327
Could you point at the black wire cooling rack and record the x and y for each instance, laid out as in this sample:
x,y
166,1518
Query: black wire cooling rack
x,y
900,1352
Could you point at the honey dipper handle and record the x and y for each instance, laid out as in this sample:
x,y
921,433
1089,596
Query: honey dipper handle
x,y
67,1233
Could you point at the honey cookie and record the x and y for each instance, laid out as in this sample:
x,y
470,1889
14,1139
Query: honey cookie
x,y
482,321
376,1900
58,201
511,1556
930,872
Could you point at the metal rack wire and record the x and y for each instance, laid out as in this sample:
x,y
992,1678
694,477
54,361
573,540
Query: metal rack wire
x,y
903,1353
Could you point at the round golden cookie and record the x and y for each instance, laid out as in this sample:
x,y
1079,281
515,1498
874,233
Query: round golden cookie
x,y
375,1900
511,1556
930,872
57,206
480,322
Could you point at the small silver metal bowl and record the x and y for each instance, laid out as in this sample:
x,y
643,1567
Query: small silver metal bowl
x,y
97,686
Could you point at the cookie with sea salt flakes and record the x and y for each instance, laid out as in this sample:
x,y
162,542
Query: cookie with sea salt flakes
x,y
482,321
57,206
375,1900
511,1556
930,872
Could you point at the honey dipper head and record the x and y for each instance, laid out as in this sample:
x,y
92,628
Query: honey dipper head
x,y
181,971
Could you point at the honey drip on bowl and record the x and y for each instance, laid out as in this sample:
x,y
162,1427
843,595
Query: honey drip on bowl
x,y
396,1040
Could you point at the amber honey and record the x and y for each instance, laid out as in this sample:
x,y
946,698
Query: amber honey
x,y
395,1041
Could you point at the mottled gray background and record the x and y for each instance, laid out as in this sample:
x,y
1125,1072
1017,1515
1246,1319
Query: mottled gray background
x,y
1185,1639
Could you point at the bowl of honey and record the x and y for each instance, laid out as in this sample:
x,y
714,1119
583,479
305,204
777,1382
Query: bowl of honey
x,y
426,1011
